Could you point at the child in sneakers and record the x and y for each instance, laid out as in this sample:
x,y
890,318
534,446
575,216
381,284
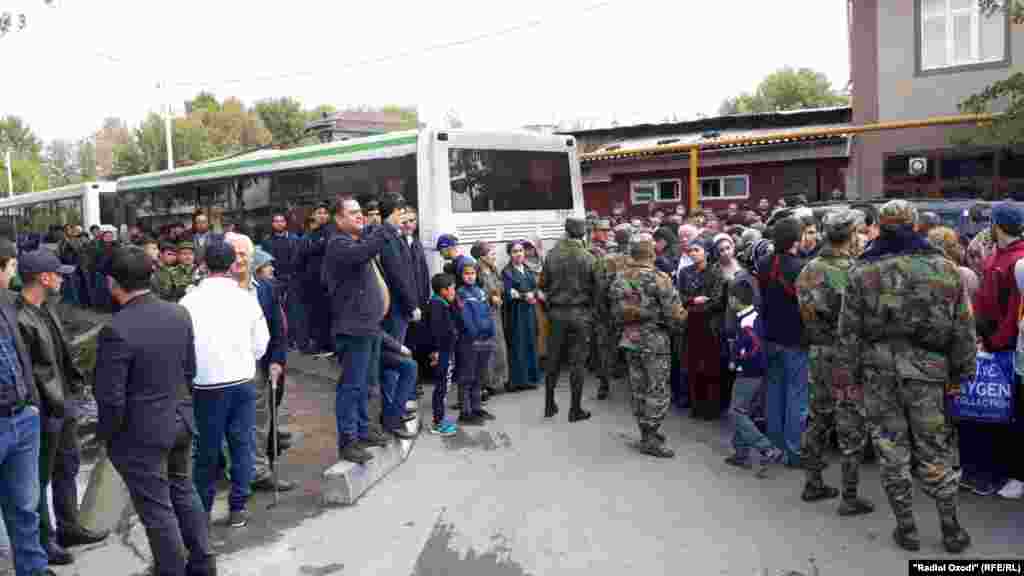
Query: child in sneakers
x,y
442,315
476,341
748,360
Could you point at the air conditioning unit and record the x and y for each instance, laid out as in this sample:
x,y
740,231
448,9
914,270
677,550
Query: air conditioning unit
x,y
917,166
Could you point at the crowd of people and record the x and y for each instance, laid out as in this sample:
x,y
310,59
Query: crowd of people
x,y
859,326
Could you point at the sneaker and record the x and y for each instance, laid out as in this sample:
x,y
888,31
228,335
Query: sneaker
x,y
238,518
373,438
485,414
444,428
1013,490
768,457
471,420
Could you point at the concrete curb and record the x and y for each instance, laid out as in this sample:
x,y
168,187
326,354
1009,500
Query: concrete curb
x,y
346,481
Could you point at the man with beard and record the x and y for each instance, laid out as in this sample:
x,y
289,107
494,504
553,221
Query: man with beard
x,y
59,382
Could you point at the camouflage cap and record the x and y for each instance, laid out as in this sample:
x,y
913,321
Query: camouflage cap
x,y
896,213
840,224
603,224
186,245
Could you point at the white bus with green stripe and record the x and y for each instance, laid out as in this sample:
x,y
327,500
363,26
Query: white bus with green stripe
x,y
493,186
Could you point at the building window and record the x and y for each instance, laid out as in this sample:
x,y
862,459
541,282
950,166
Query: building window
x,y
644,192
725,187
955,33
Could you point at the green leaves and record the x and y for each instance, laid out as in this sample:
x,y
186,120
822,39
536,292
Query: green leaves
x,y
786,89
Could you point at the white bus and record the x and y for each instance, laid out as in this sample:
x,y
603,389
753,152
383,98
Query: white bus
x,y
87,204
477,185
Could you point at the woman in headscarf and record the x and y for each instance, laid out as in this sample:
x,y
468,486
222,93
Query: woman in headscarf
x,y
520,288
728,263
948,242
490,279
535,262
702,288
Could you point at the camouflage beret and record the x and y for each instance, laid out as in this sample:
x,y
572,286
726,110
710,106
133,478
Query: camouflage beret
x,y
186,245
897,212
603,224
168,247
840,224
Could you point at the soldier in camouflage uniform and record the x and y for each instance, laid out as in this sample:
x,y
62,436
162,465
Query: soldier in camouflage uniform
x,y
163,278
646,304
600,244
599,247
568,288
606,328
820,288
906,339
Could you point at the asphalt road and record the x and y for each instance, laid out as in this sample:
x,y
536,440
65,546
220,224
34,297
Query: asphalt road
x,y
524,495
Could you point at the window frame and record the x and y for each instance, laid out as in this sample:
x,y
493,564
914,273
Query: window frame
x,y
721,187
921,71
655,182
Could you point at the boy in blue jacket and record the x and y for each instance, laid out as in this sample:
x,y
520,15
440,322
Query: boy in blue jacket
x,y
476,341
444,336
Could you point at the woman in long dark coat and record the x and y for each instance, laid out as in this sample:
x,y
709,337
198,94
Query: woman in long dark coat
x,y
701,287
520,285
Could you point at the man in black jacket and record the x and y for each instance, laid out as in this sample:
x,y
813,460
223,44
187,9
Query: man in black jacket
x,y
19,431
145,366
58,381
359,302
418,338
315,301
396,260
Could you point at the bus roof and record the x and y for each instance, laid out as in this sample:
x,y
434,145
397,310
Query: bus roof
x,y
64,192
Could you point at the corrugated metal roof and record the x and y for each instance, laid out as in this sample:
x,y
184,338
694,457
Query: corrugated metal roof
x,y
717,139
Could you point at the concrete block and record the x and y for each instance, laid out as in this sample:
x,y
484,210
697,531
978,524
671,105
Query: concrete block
x,y
106,499
346,481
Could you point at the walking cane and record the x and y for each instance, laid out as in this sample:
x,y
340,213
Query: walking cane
x,y
272,407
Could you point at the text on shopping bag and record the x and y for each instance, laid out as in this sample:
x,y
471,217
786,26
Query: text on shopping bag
x,y
989,396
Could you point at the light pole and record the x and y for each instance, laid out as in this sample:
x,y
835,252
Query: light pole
x,y
167,132
10,173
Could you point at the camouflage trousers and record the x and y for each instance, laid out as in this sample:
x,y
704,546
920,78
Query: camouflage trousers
x,y
607,337
906,418
648,376
851,428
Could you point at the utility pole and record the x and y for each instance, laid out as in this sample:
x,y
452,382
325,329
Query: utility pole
x,y
10,174
168,126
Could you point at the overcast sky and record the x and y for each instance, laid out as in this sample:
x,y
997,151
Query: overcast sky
x,y
630,60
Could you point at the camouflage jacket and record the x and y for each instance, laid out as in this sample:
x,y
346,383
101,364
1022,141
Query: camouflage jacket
x,y
599,249
171,282
904,317
819,289
606,270
645,303
568,275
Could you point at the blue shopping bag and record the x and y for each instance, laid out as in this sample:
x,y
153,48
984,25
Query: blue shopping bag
x,y
989,396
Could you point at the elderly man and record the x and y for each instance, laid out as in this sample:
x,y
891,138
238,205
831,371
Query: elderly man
x,y
270,365
359,302
224,392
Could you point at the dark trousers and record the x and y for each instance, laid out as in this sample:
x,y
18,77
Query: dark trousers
x,y
19,488
446,376
359,357
218,413
159,481
570,333
318,318
49,438
472,364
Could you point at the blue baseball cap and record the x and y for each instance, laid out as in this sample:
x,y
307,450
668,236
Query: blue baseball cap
x,y
1008,214
446,241
39,261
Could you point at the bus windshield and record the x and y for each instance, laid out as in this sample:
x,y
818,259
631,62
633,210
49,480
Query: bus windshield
x,y
509,180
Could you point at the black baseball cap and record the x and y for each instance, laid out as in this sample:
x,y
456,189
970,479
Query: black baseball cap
x,y
39,261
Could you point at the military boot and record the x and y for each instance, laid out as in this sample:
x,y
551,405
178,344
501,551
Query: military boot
x,y
853,505
954,538
816,490
652,445
576,411
602,390
550,408
906,536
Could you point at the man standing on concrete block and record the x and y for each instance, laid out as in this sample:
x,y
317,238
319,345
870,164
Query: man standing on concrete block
x,y
230,334
359,301
58,382
19,432
145,365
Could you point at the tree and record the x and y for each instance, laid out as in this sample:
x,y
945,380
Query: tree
x,y
27,174
10,21
203,101
786,89
1007,128
17,136
60,163
87,160
319,112
284,118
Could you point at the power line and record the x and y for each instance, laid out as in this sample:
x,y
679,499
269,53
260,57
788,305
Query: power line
x,y
380,59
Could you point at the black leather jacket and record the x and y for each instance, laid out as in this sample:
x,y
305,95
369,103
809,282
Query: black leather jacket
x,y
54,385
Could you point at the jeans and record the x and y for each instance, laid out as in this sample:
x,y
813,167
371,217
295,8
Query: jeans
x,y
218,413
746,436
472,363
396,324
19,489
295,314
785,405
397,386
359,357
446,376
